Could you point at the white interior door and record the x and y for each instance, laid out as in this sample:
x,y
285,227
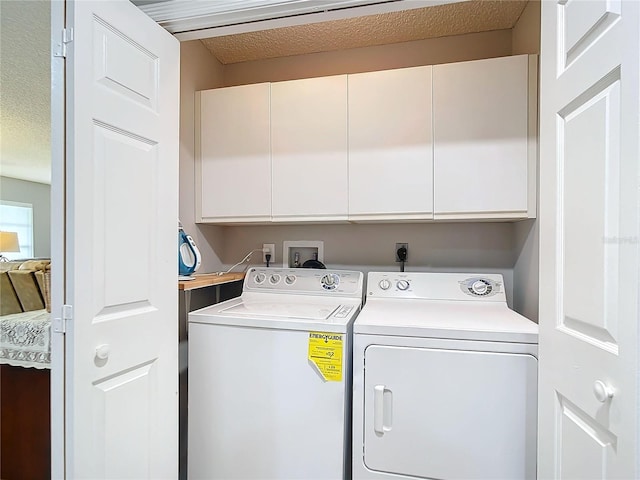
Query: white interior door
x,y
589,240
122,79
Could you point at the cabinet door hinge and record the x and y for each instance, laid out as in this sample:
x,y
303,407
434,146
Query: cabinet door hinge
x,y
59,324
60,48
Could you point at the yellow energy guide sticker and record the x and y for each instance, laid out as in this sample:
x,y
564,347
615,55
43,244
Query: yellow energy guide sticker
x,y
325,351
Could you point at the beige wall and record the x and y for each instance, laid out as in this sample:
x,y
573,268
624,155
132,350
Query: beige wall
x,y
409,54
526,39
199,70
526,32
525,270
432,246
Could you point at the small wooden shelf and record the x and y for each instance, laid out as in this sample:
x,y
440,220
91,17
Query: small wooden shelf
x,y
208,279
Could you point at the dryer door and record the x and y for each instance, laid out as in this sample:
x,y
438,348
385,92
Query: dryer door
x,y
454,414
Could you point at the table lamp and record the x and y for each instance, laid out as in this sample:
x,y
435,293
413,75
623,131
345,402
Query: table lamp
x,y
8,243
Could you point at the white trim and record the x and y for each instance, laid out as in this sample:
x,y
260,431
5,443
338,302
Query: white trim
x,y
243,10
57,238
532,138
11,203
234,22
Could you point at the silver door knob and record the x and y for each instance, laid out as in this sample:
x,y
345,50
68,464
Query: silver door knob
x,y
102,351
602,391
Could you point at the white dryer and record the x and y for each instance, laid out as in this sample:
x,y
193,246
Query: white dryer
x,y
445,380
270,377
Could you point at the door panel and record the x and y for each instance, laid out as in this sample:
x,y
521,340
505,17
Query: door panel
x,y
582,23
589,240
122,156
125,66
589,129
585,445
125,409
126,179
454,414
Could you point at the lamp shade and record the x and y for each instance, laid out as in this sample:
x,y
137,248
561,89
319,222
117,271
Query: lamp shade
x,y
9,242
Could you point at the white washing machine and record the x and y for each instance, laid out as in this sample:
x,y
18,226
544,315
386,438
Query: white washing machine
x,y
445,380
270,377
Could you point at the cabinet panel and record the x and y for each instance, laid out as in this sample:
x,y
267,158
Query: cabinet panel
x,y
309,149
481,139
233,166
390,145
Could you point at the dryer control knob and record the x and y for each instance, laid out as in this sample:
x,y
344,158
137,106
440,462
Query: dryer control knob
x,y
273,279
403,285
289,279
480,287
384,284
260,277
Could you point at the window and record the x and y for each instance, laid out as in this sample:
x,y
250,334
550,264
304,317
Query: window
x,y
18,217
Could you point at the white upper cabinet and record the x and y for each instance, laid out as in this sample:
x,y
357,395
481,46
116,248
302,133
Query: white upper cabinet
x,y
448,142
233,159
309,149
484,117
390,145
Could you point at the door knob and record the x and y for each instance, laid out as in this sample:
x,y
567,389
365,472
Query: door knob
x,y
102,351
602,391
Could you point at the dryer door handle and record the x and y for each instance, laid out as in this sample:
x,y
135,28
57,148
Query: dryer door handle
x,y
382,409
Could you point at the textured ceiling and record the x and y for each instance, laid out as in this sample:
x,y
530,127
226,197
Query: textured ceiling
x,y
25,121
25,65
404,26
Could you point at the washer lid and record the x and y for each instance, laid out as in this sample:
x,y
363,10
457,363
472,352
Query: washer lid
x,y
281,311
445,319
299,311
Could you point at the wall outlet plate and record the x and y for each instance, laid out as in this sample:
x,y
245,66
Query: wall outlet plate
x,y
272,251
398,246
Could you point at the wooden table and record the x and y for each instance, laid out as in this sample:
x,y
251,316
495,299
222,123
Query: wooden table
x,y
208,279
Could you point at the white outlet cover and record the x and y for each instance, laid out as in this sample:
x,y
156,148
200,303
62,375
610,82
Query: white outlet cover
x,y
271,246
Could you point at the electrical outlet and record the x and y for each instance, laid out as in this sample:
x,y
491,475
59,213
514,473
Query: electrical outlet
x,y
268,248
398,246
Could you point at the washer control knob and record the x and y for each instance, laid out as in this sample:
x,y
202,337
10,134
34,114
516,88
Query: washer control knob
x,y
260,277
330,281
403,285
384,284
289,279
602,391
273,279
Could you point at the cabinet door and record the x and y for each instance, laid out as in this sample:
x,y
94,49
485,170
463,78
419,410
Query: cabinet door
x,y
233,162
309,149
390,145
482,158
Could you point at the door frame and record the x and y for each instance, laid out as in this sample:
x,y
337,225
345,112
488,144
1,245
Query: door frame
x,y
58,135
